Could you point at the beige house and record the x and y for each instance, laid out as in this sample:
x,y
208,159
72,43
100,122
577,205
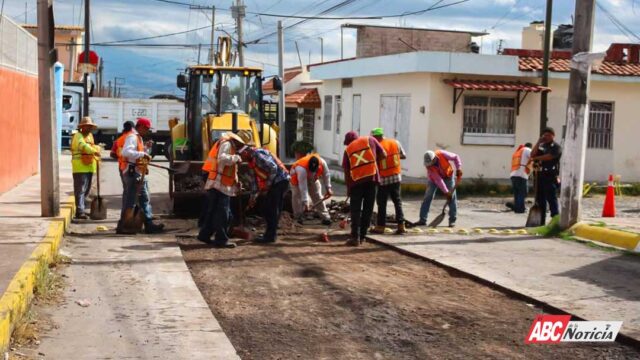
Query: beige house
x,y
479,106
68,40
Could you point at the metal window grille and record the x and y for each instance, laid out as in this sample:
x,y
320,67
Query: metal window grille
x,y
600,125
307,125
328,111
489,115
18,48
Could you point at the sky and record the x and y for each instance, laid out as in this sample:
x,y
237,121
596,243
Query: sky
x,y
149,71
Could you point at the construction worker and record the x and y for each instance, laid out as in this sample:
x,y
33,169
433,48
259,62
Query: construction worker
x,y
440,176
272,181
546,154
520,170
84,156
222,184
361,176
134,157
390,178
306,173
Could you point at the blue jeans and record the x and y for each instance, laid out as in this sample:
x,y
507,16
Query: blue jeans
x,y
217,218
81,188
131,182
519,186
430,194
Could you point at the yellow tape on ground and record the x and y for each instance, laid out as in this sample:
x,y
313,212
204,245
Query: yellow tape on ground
x,y
16,298
625,240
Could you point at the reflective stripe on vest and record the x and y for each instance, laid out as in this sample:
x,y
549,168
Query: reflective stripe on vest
x,y
444,166
362,161
390,165
78,154
304,163
516,160
229,173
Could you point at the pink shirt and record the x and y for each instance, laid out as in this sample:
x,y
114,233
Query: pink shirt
x,y
436,174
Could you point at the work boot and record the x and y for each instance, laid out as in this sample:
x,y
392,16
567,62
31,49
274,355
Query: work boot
x,y
452,224
80,215
353,241
420,223
378,229
326,221
262,240
151,228
401,229
363,240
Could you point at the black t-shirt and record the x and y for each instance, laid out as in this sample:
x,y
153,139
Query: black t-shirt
x,y
550,166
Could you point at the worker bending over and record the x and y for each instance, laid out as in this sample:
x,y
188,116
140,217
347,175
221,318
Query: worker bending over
x,y
362,176
390,179
440,176
520,170
222,184
546,154
271,180
84,156
136,186
306,173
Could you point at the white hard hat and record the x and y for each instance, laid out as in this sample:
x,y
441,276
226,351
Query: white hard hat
x,y
429,158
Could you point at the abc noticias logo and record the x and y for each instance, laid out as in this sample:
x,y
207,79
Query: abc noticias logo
x,y
553,329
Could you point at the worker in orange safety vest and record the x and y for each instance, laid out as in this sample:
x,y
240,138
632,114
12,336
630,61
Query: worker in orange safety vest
x,y
520,169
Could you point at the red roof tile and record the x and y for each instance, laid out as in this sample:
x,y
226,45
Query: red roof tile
x,y
494,85
288,76
304,98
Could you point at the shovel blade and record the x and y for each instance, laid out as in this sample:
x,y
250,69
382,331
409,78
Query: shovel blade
x,y
98,209
437,220
132,221
535,217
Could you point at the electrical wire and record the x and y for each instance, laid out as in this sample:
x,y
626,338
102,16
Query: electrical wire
x,y
630,34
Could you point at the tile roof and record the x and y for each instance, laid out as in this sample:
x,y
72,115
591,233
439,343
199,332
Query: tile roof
x,y
57,27
288,76
307,98
494,85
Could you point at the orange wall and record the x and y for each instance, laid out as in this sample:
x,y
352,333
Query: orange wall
x,y
19,130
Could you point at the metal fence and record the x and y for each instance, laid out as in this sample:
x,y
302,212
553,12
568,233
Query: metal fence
x,y
18,48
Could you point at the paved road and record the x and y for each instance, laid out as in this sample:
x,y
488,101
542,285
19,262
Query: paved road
x,y
143,301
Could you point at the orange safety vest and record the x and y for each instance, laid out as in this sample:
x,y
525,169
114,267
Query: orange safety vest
x,y
122,162
516,160
304,163
229,173
362,161
446,171
390,165
262,175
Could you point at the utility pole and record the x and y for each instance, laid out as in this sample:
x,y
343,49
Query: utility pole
x,y
298,51
545,66
213,35
321,50
87,42
47,56
99,77
341,42
109,89
281,105
199,49
573,159
26,13
238,12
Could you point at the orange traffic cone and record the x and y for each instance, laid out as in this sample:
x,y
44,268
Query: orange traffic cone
x,y
609,209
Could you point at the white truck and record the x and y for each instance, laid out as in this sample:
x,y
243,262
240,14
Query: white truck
x,y
111,113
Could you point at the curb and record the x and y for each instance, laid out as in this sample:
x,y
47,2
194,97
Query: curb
x,y
17,297
621,239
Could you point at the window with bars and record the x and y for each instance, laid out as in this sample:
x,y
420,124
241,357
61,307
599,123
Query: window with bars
x,y
307,125
600,134
489,120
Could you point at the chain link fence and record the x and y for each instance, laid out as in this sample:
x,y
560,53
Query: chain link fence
x,y
18,48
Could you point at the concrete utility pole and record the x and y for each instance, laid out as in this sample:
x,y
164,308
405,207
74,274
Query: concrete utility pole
x,y
239,13
341,42
282,152
87,42
545,65
47,56
321,50
573,155
109,89
213,36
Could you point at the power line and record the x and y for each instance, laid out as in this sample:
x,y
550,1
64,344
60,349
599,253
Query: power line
x,y
619,24
157,36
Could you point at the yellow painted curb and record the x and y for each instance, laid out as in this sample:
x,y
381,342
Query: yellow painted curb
x,y
625,240
16,298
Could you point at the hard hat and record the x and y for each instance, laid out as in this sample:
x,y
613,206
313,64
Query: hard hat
x,y
377,132
429,158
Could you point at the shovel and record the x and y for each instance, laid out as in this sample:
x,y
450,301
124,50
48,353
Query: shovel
x,y
440,217
182,168
535,214
98,205
132,218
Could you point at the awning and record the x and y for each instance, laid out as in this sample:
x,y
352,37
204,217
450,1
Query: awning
x,y
307,98
459,86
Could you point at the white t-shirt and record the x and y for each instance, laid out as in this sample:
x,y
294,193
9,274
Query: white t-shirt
x,y
526,153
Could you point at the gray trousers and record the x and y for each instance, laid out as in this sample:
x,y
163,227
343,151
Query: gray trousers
x,y
81,189
314,192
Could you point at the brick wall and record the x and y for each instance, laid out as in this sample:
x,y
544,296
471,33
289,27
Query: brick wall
x,y
385,41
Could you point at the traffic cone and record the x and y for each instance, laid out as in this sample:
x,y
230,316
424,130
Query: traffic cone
x,y
609,209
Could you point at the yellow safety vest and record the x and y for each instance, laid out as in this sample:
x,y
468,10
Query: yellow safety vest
x,y
82,150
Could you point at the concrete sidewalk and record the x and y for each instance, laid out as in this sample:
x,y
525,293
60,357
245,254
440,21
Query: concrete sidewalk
x,y
591,283
21,227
